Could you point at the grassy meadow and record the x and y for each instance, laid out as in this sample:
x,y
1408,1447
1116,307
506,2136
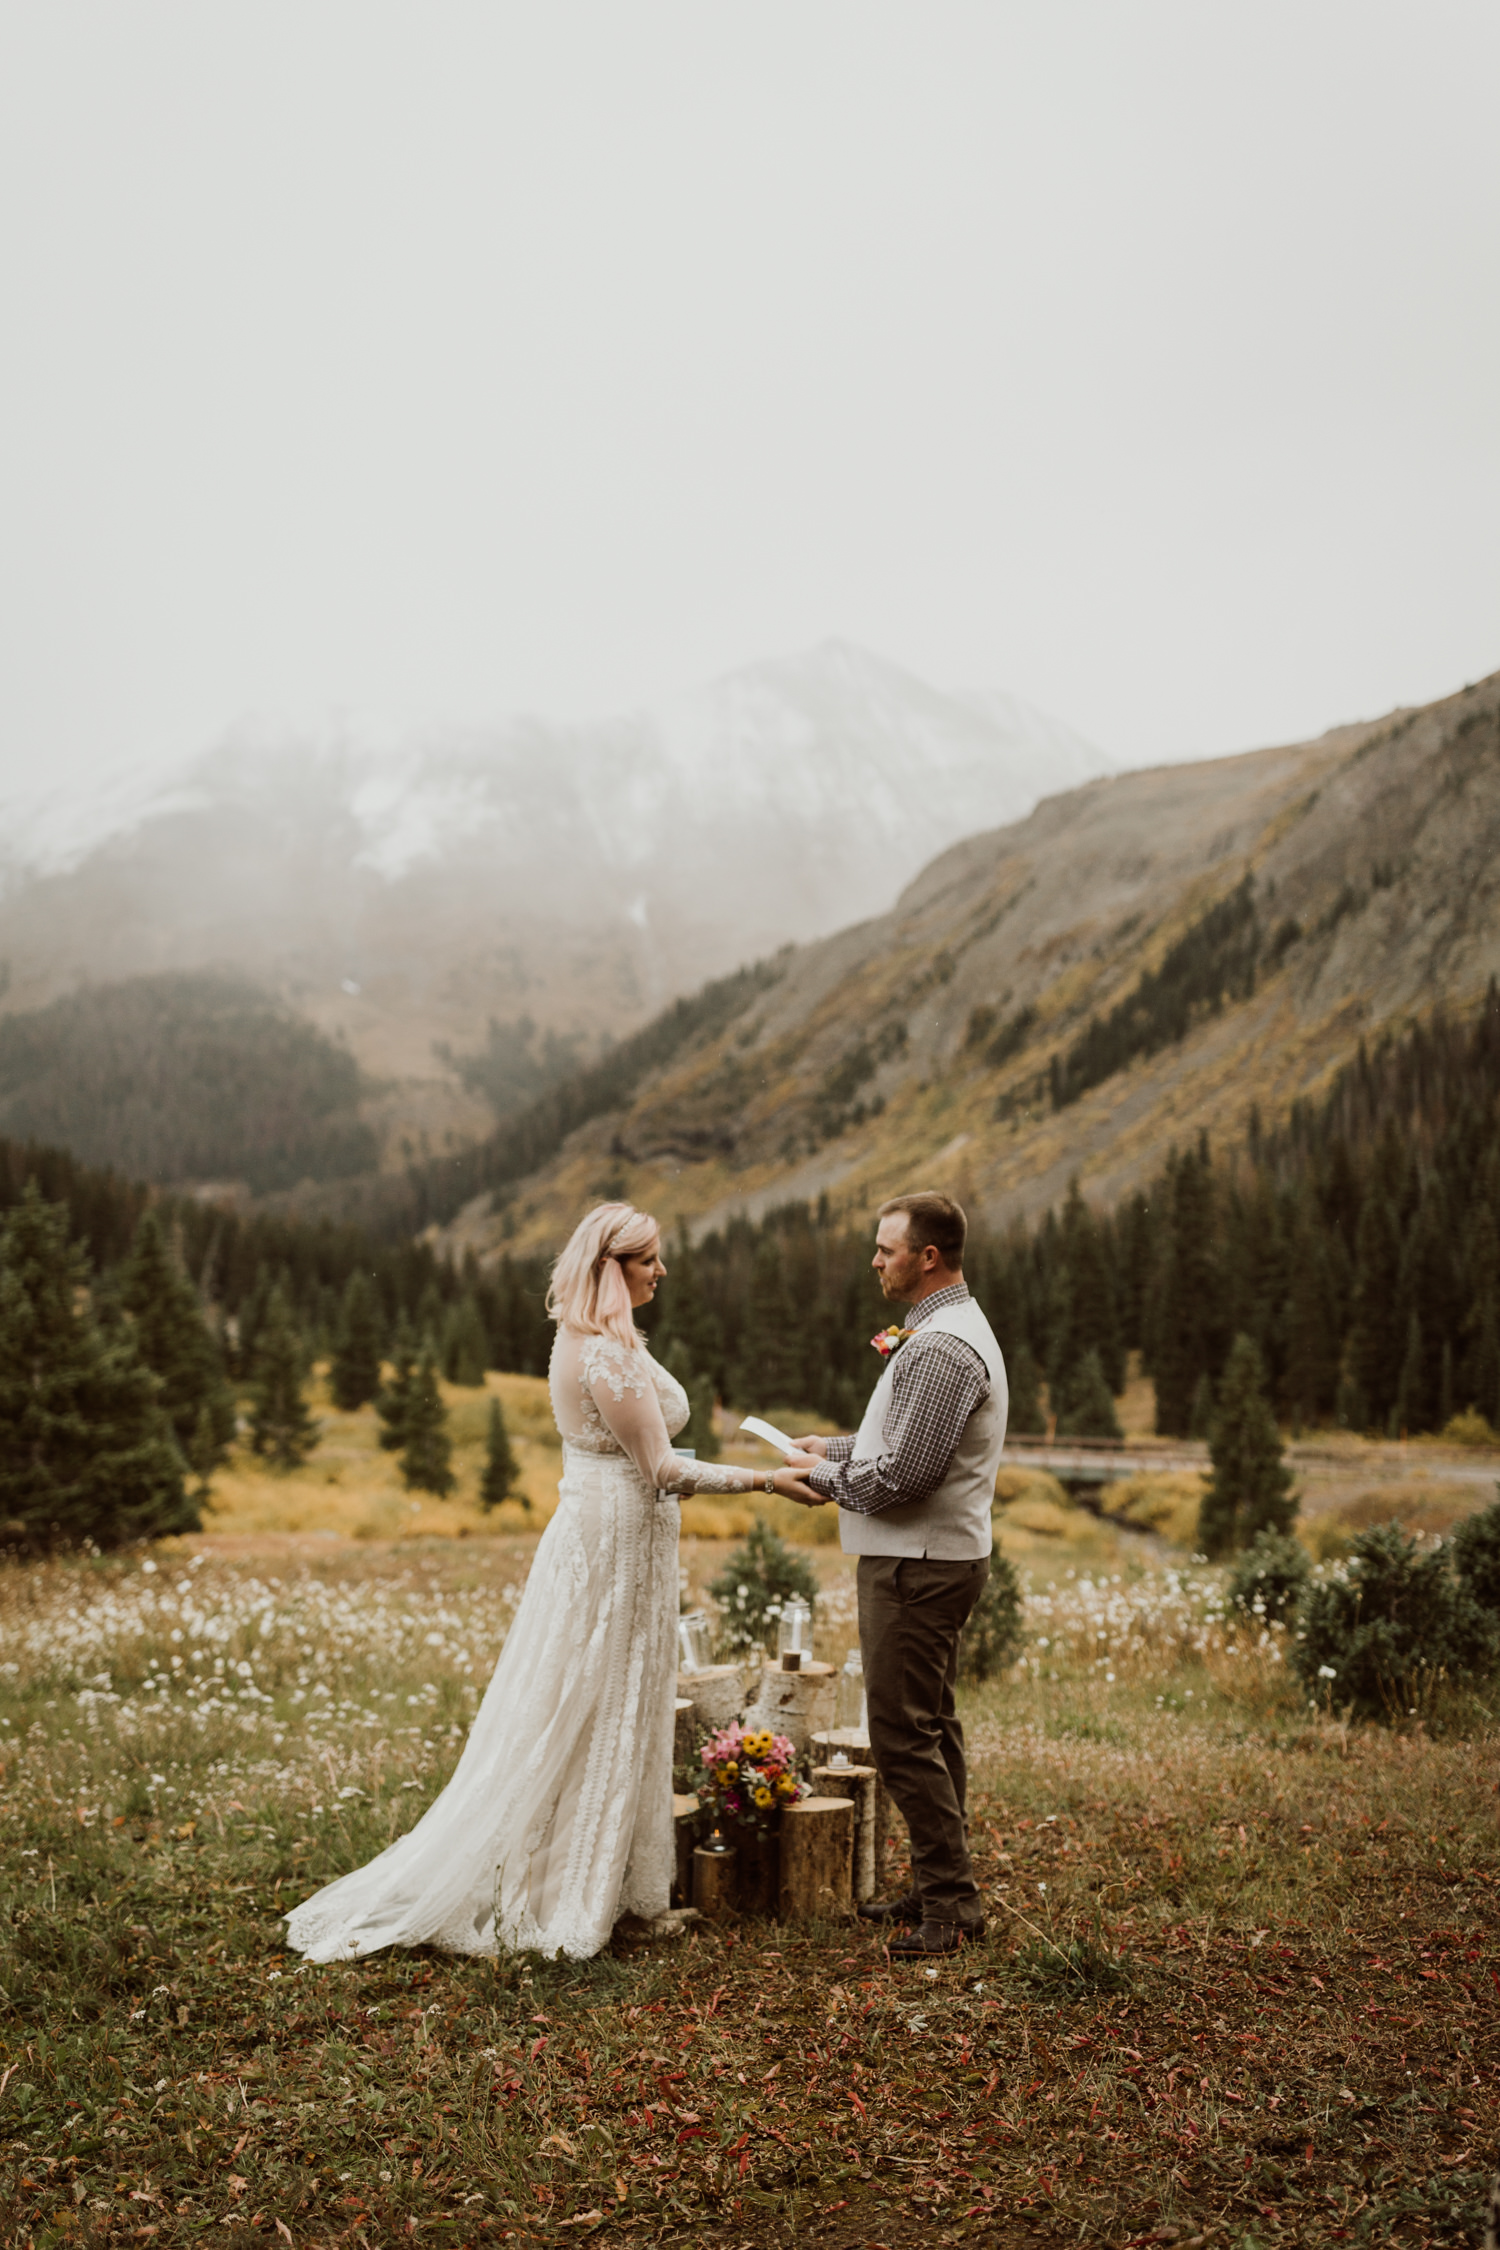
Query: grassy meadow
x,y
1240,1983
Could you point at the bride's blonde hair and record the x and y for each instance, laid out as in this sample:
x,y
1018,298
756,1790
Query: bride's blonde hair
x,y
588,1290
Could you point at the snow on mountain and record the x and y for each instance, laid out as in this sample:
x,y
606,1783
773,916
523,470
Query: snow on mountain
x,y
781,801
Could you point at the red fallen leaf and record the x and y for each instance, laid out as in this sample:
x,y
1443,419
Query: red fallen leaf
x,y
859,2105
693,2133
540,2044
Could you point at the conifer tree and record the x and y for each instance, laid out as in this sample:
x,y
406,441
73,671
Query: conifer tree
x,y
1185,1311
1377,1335
427,1454
1201,1418
173,1339
1026,1417
281,1426
466,1347
391,1400
354,1372
1410,1409
1312,1324
501,1474
1250,1490
1085,1407
86,1450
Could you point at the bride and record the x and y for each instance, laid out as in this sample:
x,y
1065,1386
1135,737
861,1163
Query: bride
x,y
558,1818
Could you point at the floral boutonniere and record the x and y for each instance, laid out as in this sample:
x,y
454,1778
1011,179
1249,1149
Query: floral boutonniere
x,y
890,1340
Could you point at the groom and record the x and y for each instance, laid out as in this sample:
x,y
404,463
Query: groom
x,y
915,1488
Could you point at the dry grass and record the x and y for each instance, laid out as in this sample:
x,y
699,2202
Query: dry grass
x,y
1240,1978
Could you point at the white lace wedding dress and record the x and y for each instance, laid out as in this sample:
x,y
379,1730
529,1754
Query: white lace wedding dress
x,y
558,1818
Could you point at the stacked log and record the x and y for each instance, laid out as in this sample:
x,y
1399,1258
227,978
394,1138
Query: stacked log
x,y
863,1787
817,1838
715,1693
873,1805
715,1883
796,1704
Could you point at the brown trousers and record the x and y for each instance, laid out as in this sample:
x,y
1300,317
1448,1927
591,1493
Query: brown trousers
x,y
911,1613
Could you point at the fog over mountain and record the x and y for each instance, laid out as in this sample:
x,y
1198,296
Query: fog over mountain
x,y
402,891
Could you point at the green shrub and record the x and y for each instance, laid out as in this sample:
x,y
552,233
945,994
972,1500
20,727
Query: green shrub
x,y
992,1636
751,1589
1268,1579
1476,1555
1388,1626
1251,1488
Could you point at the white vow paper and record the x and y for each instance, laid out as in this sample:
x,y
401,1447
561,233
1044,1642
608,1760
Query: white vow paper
x,y
769,1432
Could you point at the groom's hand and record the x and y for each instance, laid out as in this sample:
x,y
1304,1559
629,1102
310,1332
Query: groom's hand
x,y
791,1480
815,1445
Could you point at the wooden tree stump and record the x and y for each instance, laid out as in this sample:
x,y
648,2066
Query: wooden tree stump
x,y
684,1831
760,1870
795,1704
817,1840
862,1786
716,1694
715,1883
684,1734
856,1748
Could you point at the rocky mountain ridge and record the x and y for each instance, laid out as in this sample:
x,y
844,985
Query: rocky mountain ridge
x,y
993,1033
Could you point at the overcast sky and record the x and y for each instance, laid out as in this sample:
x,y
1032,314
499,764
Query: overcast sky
x,y
439,360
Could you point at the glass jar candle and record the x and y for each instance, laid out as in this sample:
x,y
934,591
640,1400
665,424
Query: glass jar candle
x,y
692,1641
794,1634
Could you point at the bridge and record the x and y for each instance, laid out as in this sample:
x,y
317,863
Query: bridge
x,y
1079,1464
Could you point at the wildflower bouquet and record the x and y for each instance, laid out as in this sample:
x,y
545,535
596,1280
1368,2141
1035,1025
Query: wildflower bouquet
x,y
745,1777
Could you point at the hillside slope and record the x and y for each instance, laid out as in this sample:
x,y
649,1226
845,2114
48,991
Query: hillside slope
x,y
1142,958
179,1079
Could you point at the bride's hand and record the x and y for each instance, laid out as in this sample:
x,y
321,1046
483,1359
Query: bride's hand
x,y
791,1481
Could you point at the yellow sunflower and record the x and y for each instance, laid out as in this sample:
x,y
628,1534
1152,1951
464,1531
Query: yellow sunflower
x,y
763,1798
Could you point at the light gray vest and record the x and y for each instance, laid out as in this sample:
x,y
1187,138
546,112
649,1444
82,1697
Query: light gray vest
x,y
953,1523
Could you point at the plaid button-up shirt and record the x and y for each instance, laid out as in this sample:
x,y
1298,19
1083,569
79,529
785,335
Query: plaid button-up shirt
x,y
933,1393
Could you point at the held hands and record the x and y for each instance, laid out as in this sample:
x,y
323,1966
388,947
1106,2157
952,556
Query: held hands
x,y
792,1480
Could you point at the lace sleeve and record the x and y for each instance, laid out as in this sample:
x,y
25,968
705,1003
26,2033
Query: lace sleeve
x,y
626,1398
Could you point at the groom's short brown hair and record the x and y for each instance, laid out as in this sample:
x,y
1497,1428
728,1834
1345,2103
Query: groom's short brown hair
x,y
932,1222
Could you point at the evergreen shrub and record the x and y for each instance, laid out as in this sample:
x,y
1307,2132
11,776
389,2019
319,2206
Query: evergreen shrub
x,y
427,1454
753,1587
501,1473
1476,1555
466,1347
992,1637
174,1340
1268,1579
394,1395
1027,1417
281,1426
1389,1626
1251,1488
354,1371
1085,1407
86,1450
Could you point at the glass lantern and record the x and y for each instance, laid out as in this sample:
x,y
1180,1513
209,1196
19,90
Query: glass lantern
x,y
852,1710
794,1635
692,1641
